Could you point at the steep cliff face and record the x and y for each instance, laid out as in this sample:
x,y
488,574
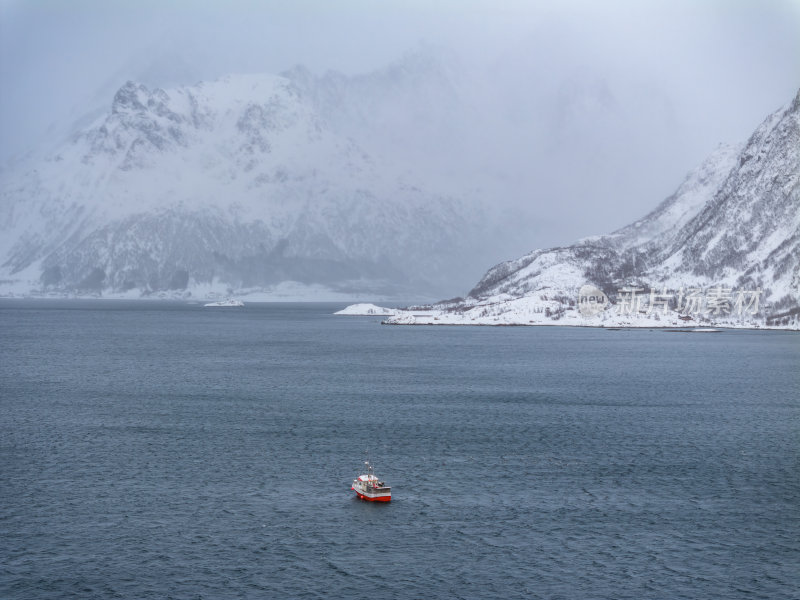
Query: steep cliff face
x,y
238,183
733,224
747,234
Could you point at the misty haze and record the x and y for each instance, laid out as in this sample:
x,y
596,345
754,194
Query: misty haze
x,y
223,226
401,173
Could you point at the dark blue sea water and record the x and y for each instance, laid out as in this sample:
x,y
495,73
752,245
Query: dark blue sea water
x,y
157,450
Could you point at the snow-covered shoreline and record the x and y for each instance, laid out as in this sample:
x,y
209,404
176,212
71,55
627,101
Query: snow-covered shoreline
x,y
495,316
285,291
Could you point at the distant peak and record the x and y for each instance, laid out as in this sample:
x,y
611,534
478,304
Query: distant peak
x,y
794,107
129,97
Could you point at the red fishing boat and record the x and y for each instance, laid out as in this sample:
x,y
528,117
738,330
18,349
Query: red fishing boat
x,y
368,487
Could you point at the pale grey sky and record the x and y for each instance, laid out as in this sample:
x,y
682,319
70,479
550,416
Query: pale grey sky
x,y
718,66
740,55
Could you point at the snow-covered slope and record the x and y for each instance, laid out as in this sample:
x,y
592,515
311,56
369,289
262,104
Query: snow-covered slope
x,y
365,310
237,184
725,245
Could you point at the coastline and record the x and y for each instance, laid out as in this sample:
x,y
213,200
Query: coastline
x,y
607,319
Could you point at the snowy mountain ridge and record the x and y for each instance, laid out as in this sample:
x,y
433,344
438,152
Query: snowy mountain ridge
x,y
237,184
728,238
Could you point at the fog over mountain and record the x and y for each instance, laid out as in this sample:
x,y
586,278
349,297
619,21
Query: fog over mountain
x,y
396,152
723,248
233,185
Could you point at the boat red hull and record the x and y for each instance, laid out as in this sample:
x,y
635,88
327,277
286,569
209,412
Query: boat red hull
x,y
372,499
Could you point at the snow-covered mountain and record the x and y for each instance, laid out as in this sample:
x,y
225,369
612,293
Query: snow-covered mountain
x,y
730,233
237,184
405,181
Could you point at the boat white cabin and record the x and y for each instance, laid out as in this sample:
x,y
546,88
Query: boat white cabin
x,y
368,487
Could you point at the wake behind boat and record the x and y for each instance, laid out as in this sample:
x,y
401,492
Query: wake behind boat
x,y
368,487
